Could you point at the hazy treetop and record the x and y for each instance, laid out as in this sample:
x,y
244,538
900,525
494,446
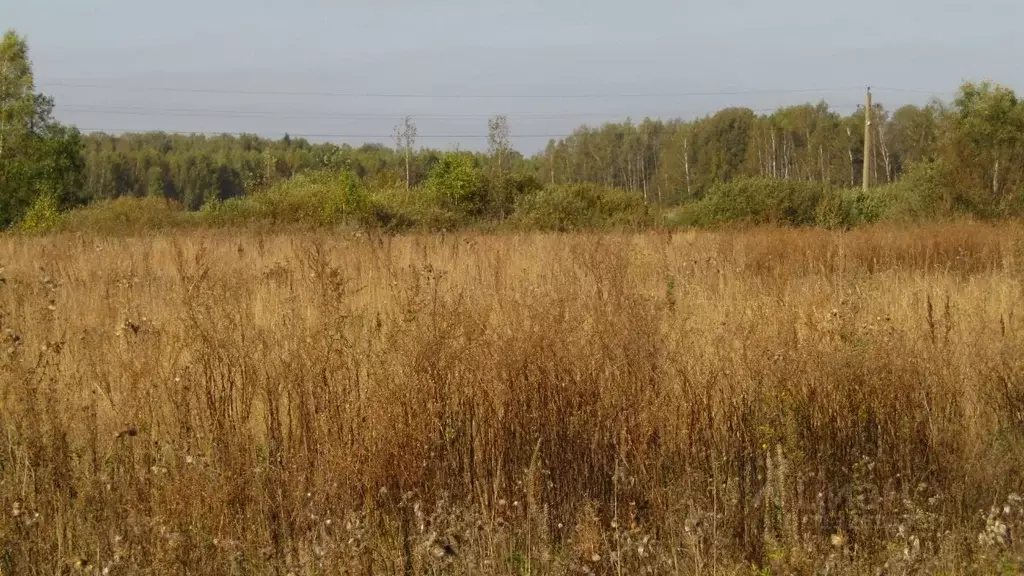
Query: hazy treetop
x,y
640,56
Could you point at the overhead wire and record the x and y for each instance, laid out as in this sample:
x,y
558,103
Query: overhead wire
x,y
222,113
227,114
426,95
321,136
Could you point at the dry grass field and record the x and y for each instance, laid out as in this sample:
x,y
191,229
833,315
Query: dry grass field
x,y
757,402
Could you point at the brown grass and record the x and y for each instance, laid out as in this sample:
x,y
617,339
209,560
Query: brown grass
x,y
697,403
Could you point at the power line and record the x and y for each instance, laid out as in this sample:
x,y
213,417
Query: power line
x,y
333,135
297,135
914,91
136,87
144,111
206,112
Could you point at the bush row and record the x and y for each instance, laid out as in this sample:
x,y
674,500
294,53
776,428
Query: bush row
x,y
460,199
322,199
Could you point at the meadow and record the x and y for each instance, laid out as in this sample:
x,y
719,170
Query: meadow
x,y
760,401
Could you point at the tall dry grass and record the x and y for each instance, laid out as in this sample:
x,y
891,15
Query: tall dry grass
x,y
703,403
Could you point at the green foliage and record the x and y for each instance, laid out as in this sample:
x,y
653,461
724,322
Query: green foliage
x,y
722,149
983,149
504,190
457,183
38,157
58,165
128,216
42,216
913,132
856,207
156,184
581,207
319,198
759,201
193,169
396,209
18,103
920,195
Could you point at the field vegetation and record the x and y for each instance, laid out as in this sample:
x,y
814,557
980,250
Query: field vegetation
x,y
768,401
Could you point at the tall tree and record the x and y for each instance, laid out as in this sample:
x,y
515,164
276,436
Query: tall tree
x,y
38,156
913,132
498,141
499,148
405,139
988,128
17,90
722,152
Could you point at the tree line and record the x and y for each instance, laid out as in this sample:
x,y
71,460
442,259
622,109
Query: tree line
x,y
668,162
978,140
970,151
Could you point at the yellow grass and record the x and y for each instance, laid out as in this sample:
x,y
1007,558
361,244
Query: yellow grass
x,y
695,403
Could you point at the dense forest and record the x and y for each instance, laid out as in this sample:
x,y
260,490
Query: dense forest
x,y
967,155
667,162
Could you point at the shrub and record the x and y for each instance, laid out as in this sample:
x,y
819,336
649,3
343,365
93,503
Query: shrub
x,y
581,207
313,198
397,209
126,215
919,195
503,191
758,201
457,183
42,216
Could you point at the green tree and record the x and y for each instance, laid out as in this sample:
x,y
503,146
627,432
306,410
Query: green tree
x,y
722,151
155,185
499,147
913,131
405,139
456,181
987,137
17,97
38,156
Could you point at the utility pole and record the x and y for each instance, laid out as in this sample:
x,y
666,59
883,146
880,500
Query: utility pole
x,y
867,142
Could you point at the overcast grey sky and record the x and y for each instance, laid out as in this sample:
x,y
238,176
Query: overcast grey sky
x,y
549,65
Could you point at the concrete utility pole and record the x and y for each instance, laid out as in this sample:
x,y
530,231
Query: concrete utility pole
x,y
867,143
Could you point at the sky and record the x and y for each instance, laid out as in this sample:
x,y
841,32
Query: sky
x,y
346,71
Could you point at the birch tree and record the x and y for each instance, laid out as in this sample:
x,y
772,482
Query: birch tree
x,y
405,139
